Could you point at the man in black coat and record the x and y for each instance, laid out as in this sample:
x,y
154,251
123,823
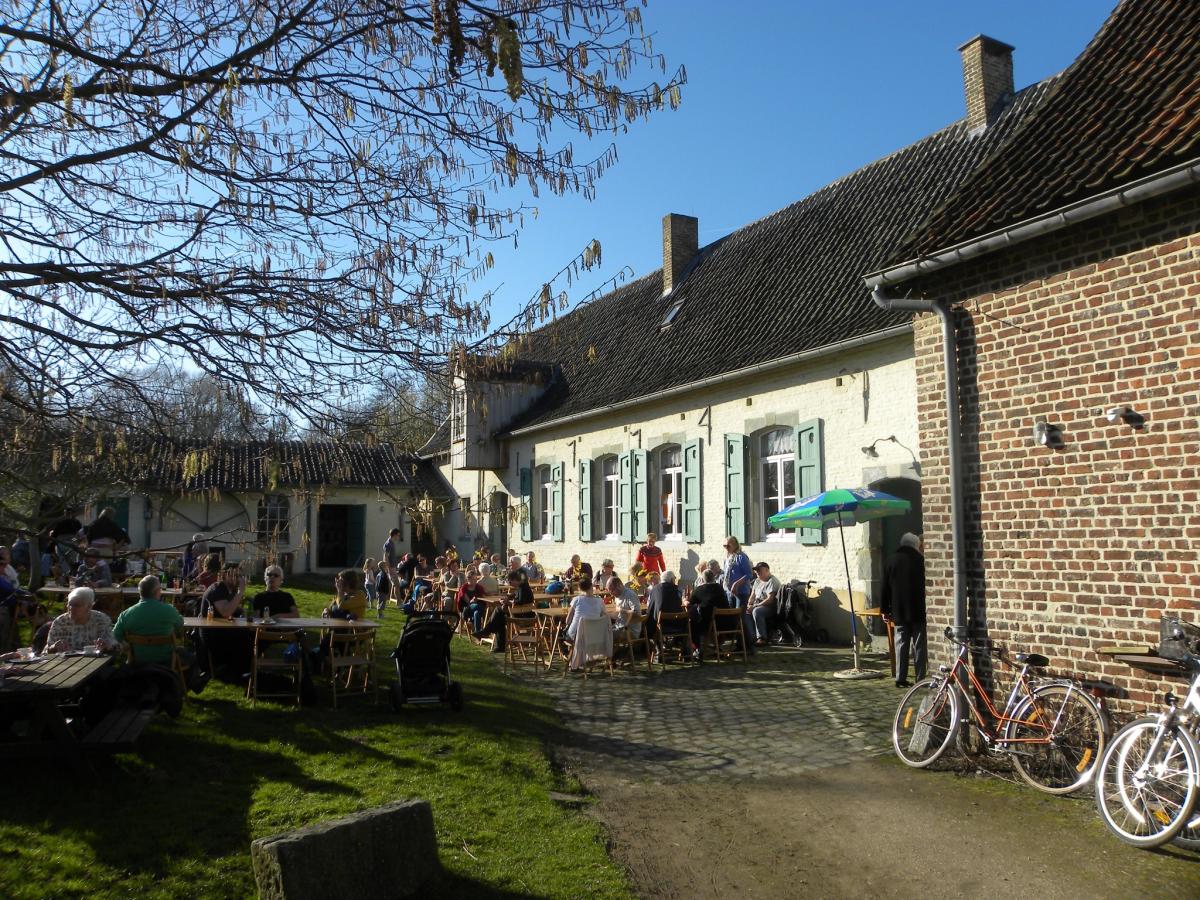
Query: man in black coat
x,y
903,604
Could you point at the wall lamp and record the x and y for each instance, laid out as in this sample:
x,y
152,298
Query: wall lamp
x,y
1047,435
870,450
1126,414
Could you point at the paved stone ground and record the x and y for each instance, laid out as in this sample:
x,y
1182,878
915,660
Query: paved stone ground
x,y
781,714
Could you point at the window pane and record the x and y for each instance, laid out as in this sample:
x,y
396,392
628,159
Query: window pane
x,y
777,442
670,458
610,466
789,479
770,479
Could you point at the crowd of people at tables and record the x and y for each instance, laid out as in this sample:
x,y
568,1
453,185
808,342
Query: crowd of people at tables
x,y
486,588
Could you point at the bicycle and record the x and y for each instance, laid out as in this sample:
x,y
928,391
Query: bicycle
x,y
1053,730
1149,778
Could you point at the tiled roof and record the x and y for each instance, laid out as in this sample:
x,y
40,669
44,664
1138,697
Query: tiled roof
x,y
785,284
1128,107
439,441
260,466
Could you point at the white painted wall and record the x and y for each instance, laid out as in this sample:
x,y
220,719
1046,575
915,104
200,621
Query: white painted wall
x,y
785,397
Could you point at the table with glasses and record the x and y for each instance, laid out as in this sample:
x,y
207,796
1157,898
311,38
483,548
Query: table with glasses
x,y
253,624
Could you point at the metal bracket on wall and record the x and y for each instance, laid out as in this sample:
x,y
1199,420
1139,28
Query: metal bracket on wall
x,y
706,419
572,443
638,432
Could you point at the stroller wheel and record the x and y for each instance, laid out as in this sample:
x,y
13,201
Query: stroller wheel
x,y
396,696
456,696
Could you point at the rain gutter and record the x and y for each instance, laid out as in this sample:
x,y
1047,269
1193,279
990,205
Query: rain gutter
x,y
736,374
1173,179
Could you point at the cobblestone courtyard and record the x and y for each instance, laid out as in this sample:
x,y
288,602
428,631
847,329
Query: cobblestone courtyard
x,y
782,714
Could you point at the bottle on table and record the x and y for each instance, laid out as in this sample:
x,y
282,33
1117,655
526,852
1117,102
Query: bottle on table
x,y
266,614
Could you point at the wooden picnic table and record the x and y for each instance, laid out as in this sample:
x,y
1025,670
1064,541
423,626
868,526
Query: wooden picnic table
x,y
44,684
555,618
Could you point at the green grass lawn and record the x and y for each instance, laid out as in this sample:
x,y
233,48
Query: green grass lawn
x,y
176,819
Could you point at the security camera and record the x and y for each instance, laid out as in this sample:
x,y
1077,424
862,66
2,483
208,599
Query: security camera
x,y
1117,413
1048,435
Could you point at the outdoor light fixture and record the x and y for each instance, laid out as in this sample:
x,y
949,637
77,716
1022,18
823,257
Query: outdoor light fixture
x,y
1047,435
870,450
1126,414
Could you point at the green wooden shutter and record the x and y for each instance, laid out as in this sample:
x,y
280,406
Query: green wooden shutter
x,y
120,507
640,479
356,535
735,486
625,495
585,499
691,492
810,471
527,504
556,501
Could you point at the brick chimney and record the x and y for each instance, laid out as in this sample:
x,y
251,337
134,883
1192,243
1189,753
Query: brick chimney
x,y
987,79
681,241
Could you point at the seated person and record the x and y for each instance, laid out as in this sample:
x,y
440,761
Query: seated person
x,y
193,557
229,650
210,571
712,566
452,579
488,582
585,605
81,627
665,598
521,594
533,571
467,601
93,571
579,568
627,604
708,596
350,601
151,616
20,554
422,582
555,585
274,603
763,594
607,571
639,578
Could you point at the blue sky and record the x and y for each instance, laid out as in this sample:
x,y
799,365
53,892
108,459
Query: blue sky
x,y
782,98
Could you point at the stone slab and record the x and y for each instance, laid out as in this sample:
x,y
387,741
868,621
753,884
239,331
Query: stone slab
x,y
386,852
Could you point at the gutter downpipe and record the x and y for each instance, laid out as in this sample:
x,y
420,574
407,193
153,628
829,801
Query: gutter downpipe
x,y
1172,179
954,437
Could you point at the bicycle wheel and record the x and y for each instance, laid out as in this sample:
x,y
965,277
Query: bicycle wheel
x,y
925,722
1070,722
1144,799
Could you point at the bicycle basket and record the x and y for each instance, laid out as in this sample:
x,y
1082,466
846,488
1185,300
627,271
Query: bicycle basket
x,y
1171,645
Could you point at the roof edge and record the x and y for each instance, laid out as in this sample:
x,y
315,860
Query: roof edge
x,y
1138,191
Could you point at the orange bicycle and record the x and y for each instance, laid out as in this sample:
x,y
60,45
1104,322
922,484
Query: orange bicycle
x,y
1053,730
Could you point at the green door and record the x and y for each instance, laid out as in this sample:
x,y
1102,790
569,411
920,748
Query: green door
x,y
356,536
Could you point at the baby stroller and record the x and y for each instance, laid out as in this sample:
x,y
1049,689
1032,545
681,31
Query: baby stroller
x,y
793,616
423,665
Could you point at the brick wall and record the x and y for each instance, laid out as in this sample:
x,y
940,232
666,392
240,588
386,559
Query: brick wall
x,y
1080,547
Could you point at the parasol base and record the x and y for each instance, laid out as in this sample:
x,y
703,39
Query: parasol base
x,y
857,674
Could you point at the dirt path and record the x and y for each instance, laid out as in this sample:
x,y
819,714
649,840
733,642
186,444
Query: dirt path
x,y
873,829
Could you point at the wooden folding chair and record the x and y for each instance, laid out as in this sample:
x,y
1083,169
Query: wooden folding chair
x,y
679,641
349,650
158,640
523,634
623,638
270,645
727,625
593,646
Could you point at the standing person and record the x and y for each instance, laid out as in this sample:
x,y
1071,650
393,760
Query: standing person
x,y
650,557
736,577
391,557
763,595
903,604
370,573
193,556
64,537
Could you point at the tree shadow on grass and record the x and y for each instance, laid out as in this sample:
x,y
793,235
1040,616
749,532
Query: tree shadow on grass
x,y
450,886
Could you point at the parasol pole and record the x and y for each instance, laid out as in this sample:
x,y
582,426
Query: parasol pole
x,y
853,617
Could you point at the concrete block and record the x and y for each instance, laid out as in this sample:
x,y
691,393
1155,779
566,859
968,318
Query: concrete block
x,y
387,852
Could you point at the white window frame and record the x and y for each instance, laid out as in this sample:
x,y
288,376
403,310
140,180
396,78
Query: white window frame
x,y
274,512
612,508
783,463
674,530
544,504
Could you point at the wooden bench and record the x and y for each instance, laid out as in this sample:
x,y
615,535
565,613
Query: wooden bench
x,y
119,730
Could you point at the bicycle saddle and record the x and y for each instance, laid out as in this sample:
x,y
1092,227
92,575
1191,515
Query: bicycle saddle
x,y
1034,659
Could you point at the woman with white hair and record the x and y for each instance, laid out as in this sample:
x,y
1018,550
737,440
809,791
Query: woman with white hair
x,y
81,627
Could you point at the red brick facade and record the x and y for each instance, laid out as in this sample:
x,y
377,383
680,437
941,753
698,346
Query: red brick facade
x,y
1075,548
